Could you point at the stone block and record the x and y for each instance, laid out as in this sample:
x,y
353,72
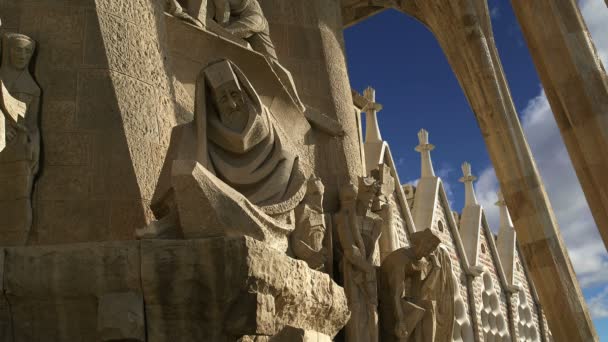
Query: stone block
x,y
66,149
191,288
70,221
58,115
54,291
120,317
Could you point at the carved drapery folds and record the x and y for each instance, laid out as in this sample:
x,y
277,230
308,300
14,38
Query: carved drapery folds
x,y
358,231
417,287
245,178
19,133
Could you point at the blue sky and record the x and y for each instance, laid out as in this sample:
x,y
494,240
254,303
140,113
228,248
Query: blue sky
x,y
401,59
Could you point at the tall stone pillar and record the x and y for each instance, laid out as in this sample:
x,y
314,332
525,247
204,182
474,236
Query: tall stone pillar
x,y
464,31
309,41
576,85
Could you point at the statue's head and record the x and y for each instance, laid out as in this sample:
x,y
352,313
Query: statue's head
x,y
424,243
20,49
368,189
228,95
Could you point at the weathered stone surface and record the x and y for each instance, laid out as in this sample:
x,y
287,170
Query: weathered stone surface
x,y
209,289
54,292
120,317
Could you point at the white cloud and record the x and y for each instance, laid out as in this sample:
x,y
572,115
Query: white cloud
x,y
598,305
578,228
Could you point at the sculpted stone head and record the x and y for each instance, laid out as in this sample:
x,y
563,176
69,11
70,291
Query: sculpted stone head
x,y
20,50
424,243
230,99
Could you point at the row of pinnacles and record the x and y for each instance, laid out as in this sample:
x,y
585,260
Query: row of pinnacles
x,y
495,298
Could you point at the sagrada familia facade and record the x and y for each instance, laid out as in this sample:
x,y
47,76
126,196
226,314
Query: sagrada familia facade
x,y
198,170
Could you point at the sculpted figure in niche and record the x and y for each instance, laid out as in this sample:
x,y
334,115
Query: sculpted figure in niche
x,y
358,232
307,239
20,107
420,287
234,137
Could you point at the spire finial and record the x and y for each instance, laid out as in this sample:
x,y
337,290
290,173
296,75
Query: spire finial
x,y
372,131
426,166
505,217
468,180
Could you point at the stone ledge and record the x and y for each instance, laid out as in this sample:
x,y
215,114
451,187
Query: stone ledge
x,y
204,290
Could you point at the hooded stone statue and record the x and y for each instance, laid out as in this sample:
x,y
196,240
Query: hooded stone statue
x,y
233,136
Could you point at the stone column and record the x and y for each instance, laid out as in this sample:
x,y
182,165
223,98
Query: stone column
x,y
576,85
309,42
464,31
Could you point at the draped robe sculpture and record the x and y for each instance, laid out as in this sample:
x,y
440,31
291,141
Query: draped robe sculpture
x,y
419,287
235,139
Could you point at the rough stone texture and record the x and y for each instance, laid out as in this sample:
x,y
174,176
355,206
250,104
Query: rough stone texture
x,y
309,42
54,292
94,56
120,317
203,289
193,290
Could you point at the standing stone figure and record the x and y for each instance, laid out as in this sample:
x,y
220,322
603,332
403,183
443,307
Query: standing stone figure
x,y
19,159
419,291
389,241
309,234
358,232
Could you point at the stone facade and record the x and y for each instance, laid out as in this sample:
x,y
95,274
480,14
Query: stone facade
x,y
197,170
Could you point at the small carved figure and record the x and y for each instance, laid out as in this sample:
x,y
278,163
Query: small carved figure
x,y
244,19
358,232
20,107
389,241
420,287
307,239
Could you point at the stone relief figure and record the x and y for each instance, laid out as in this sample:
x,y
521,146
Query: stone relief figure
x,y
358,231
235,139
308,237
419,288
385,209
20,107
245,19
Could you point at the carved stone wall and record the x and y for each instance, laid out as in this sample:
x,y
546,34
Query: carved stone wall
x,y
309,42
107,111
493,293
399,224
527,328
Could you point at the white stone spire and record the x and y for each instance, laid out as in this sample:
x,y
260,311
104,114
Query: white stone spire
x,y
372,130
426,166
506,241
467,179
505,217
